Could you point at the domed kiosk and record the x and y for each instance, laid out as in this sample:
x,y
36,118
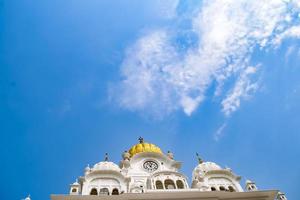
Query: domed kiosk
x,y
104,178
208,176
146,172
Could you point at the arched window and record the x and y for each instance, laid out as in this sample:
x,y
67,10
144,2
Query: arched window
x,y
159,185
179,184
94,192
213,189
169,184
115,191
231,189
222,188
74,190
104,191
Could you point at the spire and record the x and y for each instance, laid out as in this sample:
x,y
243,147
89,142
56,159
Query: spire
x,y
141,139
106,157
199,159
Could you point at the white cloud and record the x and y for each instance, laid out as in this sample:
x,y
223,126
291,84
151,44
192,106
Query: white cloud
x,y
146,75
289,52
159,78
219,133
242,89
292,32
167,8
190,104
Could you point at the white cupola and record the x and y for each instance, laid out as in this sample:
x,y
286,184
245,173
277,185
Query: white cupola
x,y
209,176
75,188
104,178
281,196
250,186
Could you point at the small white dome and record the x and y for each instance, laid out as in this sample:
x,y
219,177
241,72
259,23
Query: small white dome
x,y
106,166
87,168
249,182
207,166
76,182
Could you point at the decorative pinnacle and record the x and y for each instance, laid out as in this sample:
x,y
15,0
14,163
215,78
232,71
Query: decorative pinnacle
x,y
106,157
199,159
141,140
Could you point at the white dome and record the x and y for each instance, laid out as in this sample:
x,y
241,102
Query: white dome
x,y
87,168
106,166
76,182
249,182
207,166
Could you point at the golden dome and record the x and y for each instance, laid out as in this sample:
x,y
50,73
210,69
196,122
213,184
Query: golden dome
x,y
143,147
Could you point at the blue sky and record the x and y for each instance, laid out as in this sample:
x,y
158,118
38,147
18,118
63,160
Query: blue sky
x,y
81,78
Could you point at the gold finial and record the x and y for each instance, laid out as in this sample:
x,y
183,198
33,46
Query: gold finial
x,y
141,139
106,157
199,159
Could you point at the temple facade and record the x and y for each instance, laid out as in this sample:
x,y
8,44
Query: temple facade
x,y
145,172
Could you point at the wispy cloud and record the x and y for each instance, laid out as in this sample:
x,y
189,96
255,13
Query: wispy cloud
x,y
219,133
291,49
292,32
165,70
242,89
